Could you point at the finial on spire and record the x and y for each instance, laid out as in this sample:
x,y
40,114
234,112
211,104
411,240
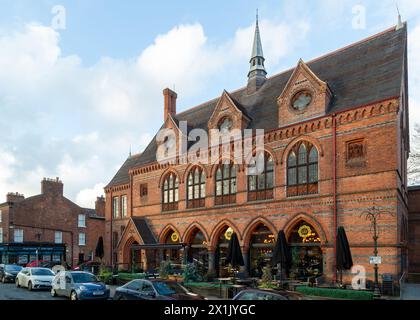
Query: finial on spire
x,y
129,154
257,73
399,24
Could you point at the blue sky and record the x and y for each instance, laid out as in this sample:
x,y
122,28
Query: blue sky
x,y
80,96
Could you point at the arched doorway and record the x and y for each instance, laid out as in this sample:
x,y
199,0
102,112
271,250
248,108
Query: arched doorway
x,y
221,252
173,255
197,250
260,249
306,250
133,260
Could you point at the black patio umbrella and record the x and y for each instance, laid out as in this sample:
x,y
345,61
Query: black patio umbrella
x,y
282,254
99,251
344,260
234,253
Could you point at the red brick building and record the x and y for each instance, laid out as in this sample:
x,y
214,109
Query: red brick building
x,y
335,145
414,229
51,223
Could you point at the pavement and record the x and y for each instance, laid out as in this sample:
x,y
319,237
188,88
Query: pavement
x,y
410,291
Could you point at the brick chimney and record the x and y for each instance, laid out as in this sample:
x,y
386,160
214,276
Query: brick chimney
x,y
14,197
100,206
52,186
169,103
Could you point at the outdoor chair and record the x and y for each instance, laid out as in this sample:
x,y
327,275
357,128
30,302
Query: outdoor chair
x,y
387,284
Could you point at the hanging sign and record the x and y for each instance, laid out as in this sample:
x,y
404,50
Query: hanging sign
x,y
228,233
174,237
304,231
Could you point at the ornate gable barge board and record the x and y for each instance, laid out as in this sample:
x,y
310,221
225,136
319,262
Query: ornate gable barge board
x,y
322,122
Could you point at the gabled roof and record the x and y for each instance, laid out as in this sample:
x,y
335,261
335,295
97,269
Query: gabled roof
x,y
365,72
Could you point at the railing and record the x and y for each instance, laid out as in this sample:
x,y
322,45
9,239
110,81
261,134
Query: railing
x,y
402,281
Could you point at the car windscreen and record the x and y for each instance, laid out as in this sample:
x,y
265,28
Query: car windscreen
x,y
42,272
84,278
11,268
168,288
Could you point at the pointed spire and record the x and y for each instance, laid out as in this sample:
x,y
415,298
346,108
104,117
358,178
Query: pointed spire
x,y
399,24
257,50
129,154
257,73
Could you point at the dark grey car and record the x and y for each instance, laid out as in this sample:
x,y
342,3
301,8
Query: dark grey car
x,y
8,272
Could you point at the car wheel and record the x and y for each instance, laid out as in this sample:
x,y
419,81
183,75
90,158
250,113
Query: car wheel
x,y
73,296
17,283
30,286
3,279
53,293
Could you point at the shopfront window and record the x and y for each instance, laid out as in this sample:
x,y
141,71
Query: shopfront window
x,y
197,250
221,252
261,248
172,255
306,250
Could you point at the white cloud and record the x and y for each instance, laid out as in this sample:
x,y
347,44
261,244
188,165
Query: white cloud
x,y
86,198
78,122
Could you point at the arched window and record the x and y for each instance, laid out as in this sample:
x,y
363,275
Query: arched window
x,y
225,184
302,170
197,250
170,192
307,257
261,178
196,188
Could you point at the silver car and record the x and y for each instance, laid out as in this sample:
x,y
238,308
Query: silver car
x,y
34,278
79,285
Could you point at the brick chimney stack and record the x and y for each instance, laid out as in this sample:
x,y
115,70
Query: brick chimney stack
x,y
52,187
100,206
14,197
169,103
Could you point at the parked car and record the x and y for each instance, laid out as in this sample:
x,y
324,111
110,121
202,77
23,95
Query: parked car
x,y
79,285
34,278
88,266
268,294
8,272
52,264
35,263
154,290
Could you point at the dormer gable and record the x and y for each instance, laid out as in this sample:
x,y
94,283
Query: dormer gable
x,y
305,96
170,139
227,109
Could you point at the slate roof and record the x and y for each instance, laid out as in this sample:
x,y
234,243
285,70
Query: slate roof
x,y
144,230
364,72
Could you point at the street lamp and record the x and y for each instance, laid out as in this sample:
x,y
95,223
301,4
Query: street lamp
x,y
373,214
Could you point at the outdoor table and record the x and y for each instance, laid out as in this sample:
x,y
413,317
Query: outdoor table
x,y
237,288
222,281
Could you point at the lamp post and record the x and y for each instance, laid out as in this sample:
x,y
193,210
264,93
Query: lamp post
x,y
373,214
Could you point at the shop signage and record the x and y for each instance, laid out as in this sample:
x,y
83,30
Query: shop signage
x,y
375,260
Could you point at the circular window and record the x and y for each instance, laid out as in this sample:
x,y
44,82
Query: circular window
x,y
301,100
